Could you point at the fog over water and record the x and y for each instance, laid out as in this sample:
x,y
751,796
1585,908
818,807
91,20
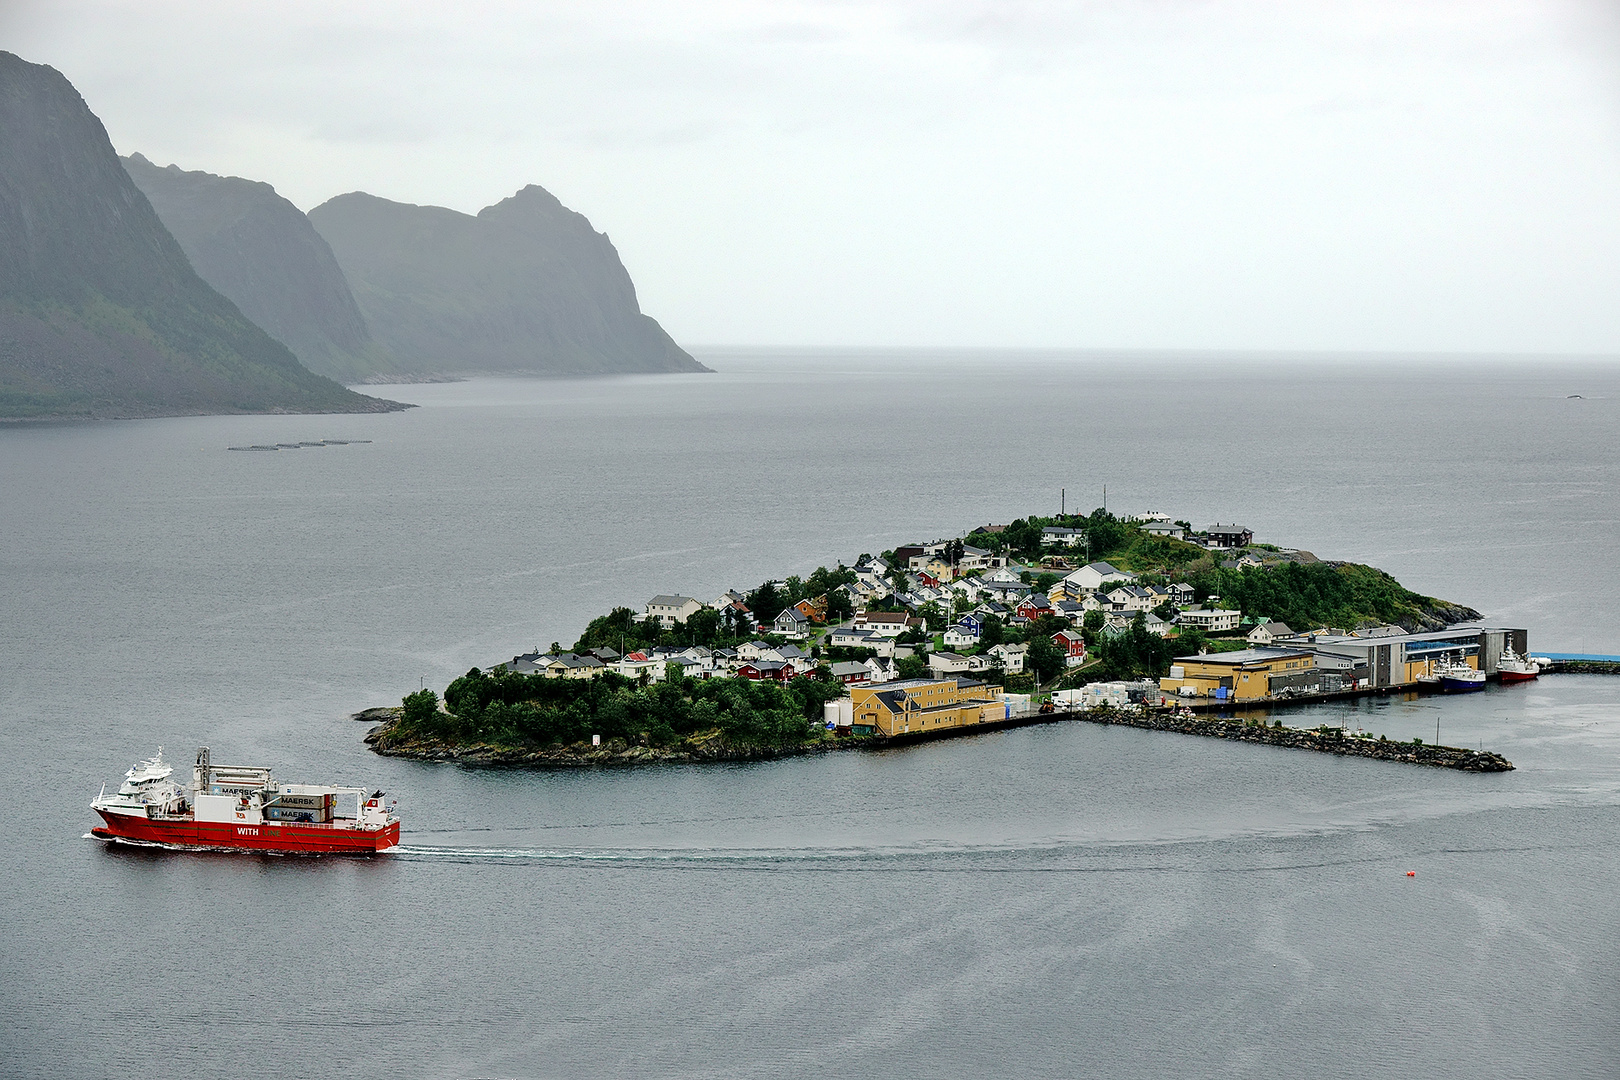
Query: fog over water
x,y
1057,901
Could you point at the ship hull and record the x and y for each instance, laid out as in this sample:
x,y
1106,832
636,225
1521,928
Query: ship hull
x,y
1517,676
306,839
1456,685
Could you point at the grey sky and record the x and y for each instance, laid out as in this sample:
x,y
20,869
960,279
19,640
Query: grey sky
x,y
1269,175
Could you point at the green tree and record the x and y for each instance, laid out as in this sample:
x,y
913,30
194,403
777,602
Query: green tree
x,y
1045,658
991,632
419,711
911,667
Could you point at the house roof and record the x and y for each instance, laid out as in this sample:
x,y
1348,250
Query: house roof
x,y
672,601
1243,656
1275,629
849,667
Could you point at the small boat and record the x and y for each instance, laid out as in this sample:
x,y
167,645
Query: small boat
x,y
242,808
1516,668
1456,675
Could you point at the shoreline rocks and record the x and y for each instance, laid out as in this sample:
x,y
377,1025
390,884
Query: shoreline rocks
x,y
710,747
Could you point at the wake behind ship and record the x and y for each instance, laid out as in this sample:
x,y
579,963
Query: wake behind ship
x,y
242,808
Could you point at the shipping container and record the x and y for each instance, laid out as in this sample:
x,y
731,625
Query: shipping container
x,y
317,802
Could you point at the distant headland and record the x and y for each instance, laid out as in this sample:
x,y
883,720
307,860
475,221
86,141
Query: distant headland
x,y
131,290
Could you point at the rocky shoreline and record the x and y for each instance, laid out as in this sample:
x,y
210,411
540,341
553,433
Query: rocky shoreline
x,y
710,747
705,747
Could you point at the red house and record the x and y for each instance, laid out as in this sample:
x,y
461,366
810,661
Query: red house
x,y
1072,644
1034,606
765,669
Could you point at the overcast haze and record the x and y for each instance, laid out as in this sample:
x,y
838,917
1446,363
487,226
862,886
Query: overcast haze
x,y
1347,175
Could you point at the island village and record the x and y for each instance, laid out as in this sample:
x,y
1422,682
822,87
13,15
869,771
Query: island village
x,y
1018,620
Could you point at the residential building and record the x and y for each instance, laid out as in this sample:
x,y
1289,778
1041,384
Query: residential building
x,y
881,671
1011,656
759,670
1130,598
884,623
755,650
572,666
847,671
669,610
960,637
1092,576
847,637
1166,529
1181,594
1058,536
922,705
1210,620
1073,646
1034,606
1156,626
947,663
792,624
1267,632
1228,536
814,609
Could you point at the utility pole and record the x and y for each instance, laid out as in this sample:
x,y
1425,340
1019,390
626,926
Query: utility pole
x,y
1063,502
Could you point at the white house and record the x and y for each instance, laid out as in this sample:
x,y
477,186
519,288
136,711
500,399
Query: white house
x,y
1011,657
1090,578
1267,632
882,623
1164,528
1210,620
1130,598
960,637
847,637
880,671
947,663
1057,535
753,651
669,610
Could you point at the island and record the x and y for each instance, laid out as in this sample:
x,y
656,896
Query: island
x,y
1142,621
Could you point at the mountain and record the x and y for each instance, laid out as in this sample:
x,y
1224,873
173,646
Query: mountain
x,y
262,253
100,313
524,286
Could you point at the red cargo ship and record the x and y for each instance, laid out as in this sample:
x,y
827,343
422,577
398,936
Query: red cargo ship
x,y
242,808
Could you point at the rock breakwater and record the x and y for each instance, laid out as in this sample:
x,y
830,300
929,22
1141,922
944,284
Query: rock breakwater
x,y
1322,740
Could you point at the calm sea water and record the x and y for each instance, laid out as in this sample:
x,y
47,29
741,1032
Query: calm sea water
x,y
1056,901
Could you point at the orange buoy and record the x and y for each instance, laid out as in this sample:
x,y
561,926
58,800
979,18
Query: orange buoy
x,y
1411,873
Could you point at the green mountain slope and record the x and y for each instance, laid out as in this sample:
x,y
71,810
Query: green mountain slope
x,y
100,312
261,253
524,286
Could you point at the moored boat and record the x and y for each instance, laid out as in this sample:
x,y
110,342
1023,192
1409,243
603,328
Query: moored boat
x,y
243,808
1456,675
1516,668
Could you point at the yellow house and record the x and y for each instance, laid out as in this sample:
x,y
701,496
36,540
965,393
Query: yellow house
x,y
923,705
1244,674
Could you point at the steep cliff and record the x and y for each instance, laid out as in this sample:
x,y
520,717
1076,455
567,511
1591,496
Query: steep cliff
x,y
262,253
100,312
526,285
